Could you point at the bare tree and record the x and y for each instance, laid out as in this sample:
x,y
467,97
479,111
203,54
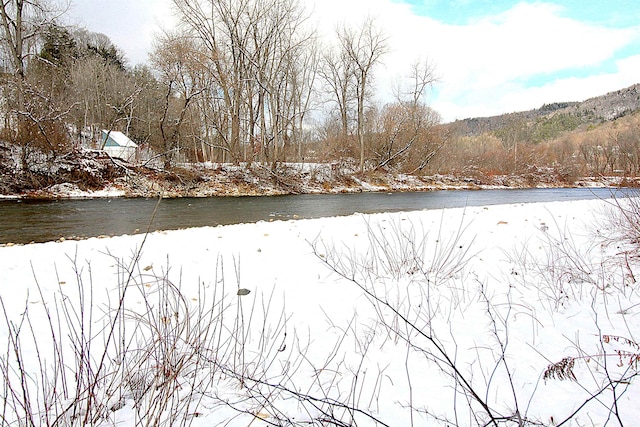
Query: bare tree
x,y
217,24
255,47
422,76
365,48
303,77
336,71
278,41
407,124
183,70
105,94
22,23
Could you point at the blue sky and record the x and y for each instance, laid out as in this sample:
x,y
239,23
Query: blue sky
x,y
491,56
613,14
618,13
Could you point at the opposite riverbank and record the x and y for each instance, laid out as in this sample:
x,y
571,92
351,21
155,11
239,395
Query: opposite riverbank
x,y
90,175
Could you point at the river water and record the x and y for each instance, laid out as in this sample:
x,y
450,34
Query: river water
x,y
24,221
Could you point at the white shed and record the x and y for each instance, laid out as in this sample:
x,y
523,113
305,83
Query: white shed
x,y
117,144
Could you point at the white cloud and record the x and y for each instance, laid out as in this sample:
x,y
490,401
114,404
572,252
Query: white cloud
x,y
579,89
484,65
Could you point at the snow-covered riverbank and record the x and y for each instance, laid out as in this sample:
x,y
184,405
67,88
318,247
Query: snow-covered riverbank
x,y
103,179
393,319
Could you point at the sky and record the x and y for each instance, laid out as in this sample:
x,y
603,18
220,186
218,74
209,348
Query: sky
x,y
491,56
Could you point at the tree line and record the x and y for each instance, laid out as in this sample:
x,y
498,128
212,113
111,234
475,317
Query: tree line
x,y
235,81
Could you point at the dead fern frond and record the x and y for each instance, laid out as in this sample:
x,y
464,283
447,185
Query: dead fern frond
x,y
621,340
562,370
628,358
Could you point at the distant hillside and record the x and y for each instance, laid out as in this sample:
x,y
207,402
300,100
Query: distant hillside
x,y
550,120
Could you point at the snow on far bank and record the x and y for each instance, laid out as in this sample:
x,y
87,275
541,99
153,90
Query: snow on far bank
x,y
504,290
72,191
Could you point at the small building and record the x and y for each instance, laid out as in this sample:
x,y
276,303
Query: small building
x,y
117,144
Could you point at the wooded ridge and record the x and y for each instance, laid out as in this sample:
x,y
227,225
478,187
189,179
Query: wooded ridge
x,y
594,111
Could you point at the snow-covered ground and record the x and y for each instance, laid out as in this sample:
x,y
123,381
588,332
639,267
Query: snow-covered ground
x,y
441,317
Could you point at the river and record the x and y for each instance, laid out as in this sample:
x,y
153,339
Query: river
x,y
25,221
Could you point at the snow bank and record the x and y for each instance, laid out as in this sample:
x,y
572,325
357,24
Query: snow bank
x,y
390,314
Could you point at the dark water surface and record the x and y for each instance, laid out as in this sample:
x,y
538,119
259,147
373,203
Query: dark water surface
x,y
23,221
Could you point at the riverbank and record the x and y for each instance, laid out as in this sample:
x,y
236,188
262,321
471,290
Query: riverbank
x,y
100,178
277,323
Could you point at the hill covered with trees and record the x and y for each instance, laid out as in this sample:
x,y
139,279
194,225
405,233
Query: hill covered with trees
x,y
596,137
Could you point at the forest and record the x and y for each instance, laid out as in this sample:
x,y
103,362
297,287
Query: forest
x,y
250,82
